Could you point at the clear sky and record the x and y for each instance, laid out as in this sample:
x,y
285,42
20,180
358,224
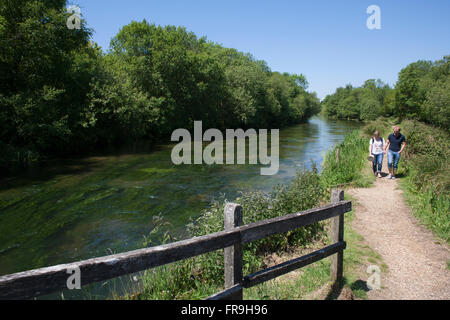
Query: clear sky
x,y
327,41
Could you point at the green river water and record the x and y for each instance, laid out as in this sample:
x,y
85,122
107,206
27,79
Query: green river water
x,y
83,208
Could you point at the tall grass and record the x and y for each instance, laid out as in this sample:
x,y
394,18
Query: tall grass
x,y
201,276
343,164
425,170
427,182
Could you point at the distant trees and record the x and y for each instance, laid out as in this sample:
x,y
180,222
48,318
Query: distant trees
x,y
421,93
193,79
363,103
60,94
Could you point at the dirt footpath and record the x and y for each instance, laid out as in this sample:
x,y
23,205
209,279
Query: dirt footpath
x,y
417,261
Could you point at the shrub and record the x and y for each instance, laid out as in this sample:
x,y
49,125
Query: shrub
x,y
427,184
201,276
343,164
381,124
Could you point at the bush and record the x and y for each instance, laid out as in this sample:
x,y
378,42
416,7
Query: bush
x,y
427,153
16,157
427,184
381,124
343,164
203,275
422,92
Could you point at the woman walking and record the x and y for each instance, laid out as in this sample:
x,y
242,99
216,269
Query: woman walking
x,y
376,150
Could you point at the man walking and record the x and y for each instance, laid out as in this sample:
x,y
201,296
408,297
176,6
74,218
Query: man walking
x,y
395,146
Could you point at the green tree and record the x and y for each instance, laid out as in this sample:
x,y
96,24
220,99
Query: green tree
x,y
60,94
436,107
45,75
410,91
389,103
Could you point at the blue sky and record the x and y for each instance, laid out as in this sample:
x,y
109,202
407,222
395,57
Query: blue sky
x,y
327,41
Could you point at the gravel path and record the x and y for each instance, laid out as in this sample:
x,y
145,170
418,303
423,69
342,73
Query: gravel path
x,y
416,260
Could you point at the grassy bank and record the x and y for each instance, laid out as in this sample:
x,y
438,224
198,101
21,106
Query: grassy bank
x,y
427,176
344,166
424,177
313,282
424,174
424,171
202,276
345,163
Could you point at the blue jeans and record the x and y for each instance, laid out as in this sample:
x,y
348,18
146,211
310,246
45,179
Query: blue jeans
x,y
377,162
393,158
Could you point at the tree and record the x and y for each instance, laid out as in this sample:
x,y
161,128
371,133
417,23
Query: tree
x,y
45,75
388,106
410,91
61,95
436,107
362,103
422,92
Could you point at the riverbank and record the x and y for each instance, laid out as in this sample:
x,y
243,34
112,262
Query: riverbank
x,y
407,236
405,221
202,276
70,96
424,171
346,166
415,260
84,208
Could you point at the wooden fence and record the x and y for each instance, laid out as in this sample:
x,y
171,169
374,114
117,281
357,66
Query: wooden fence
x,y
33,283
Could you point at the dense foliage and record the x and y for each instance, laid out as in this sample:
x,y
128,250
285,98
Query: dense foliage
x,y
46,72
343,164
203,275
362,103
426,171
424,168
422,92
428,175
60,94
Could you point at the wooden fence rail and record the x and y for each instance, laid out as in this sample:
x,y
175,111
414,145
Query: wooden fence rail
x,y
32,283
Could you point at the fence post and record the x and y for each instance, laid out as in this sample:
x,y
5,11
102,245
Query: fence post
x,y
337,234
233,255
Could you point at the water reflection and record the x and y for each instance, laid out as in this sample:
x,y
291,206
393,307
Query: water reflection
x,y
92,207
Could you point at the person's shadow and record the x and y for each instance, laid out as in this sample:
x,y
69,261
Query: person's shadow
x,y
398,175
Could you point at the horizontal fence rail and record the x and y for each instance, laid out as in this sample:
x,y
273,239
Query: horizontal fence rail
x,y
32,283
278,270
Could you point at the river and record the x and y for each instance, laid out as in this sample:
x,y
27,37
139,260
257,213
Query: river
x,y
84,208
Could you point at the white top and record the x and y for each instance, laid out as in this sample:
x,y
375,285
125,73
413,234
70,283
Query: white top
x,y
377,145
